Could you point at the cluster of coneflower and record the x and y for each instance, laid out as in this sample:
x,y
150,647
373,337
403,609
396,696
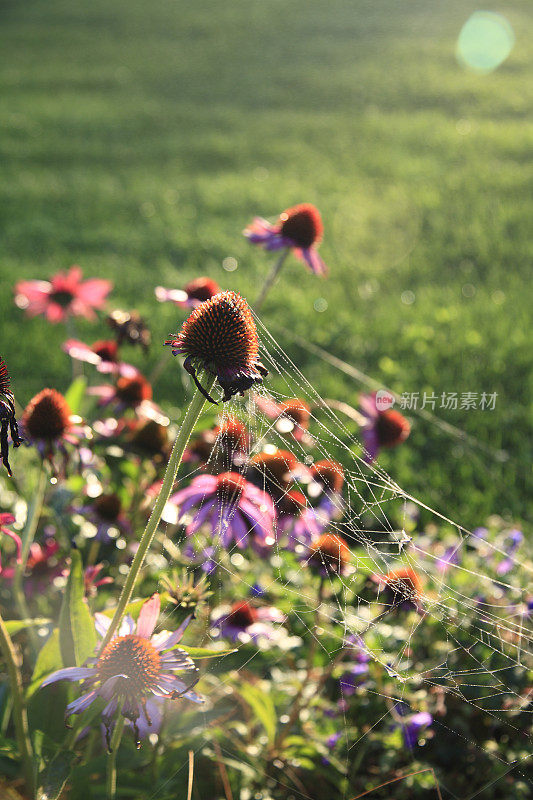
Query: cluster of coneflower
x,y
245,495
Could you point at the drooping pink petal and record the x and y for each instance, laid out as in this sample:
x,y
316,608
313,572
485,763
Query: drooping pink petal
x,y
148,617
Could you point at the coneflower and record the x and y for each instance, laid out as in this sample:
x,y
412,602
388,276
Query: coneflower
x,y
8,423
64,295
329,555
192,295
402,588
134,667
220,338
384,428
49,424
273,470
298,228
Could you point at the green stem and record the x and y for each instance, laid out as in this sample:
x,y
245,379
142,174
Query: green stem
x,y
32,521
271,279
111,773
20,717
193,412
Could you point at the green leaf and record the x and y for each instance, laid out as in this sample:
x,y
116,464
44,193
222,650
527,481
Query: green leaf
x,y
77,634
261,703
203,652
56,775
15,625
48,660
75,394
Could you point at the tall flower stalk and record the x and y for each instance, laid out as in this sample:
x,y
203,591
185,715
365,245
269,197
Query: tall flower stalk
x,y
193,412
32,521
219,339
271,279
20,718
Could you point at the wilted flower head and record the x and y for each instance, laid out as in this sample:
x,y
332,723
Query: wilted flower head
x,y
129,328
220,337
299,228
65,295
329,555
136,666
386,428
8,423
5,520
48,423
183,590
231,506
192,295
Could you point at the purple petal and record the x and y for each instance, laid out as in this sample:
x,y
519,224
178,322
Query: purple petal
x,y
80,704
161,642
68,674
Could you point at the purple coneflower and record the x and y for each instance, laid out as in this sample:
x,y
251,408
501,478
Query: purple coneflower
x,y
244,622
128,392
511,544
327,481
297,519
48,423
412,724
386,428
192,295
66,294
298,228
329,555
232,507
8,423
5,520
292,416
220,337
401,589
106,513
274,470
132,669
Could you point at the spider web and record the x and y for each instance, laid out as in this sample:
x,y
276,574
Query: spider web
x,y
486,641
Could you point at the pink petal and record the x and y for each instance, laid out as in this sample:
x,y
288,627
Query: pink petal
x,y
80,351
54,313
94,291
148,617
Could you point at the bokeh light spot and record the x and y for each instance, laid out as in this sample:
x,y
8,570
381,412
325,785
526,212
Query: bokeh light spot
x,y
485,41
320,304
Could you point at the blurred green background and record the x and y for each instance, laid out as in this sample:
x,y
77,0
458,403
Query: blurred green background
x,y
139,138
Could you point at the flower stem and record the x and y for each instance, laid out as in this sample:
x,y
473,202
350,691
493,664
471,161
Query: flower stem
x,y
271,279
34,514
191,417
20,717
111,770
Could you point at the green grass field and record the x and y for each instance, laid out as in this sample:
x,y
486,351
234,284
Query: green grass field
x,y
139,138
